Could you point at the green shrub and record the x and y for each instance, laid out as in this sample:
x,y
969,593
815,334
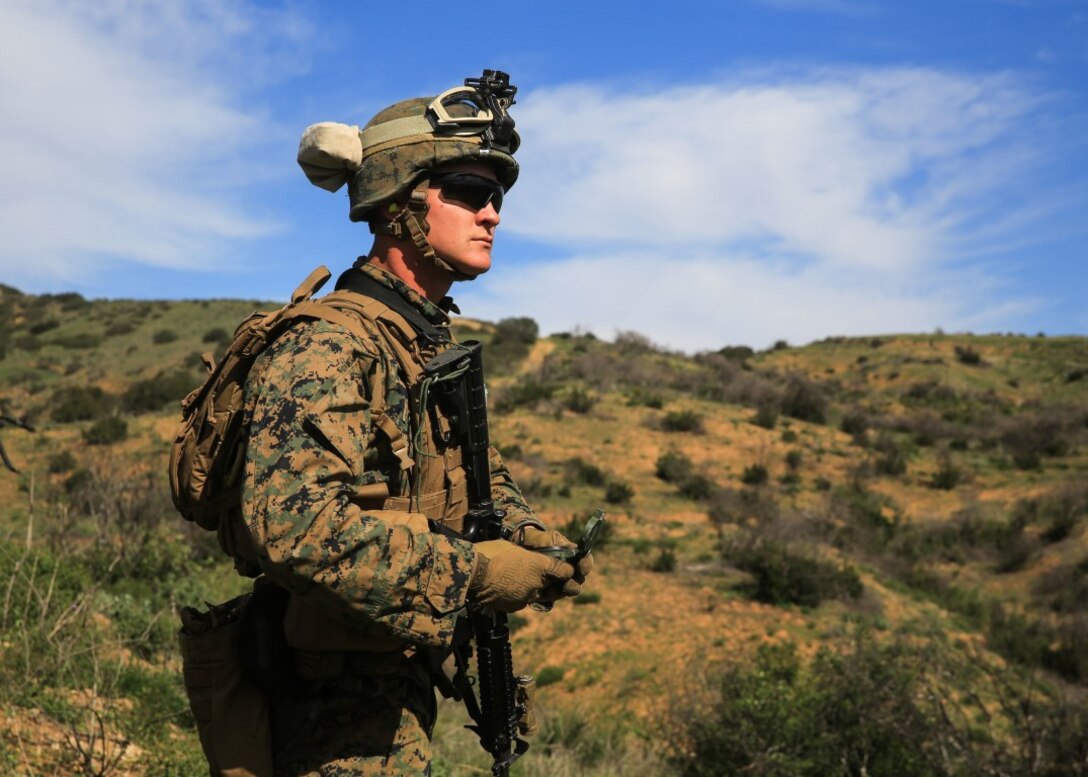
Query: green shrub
x,y
855,422
873,709
968,355
737,353
754,475
118,328
767,414
61,461
39,327
783,576
81,340
578,400
106,431
549,675
948,475
618,492
150,395
804,400
697,487
79,403
163,336
673,467
581,471
665,561
794,457
682,421
587,597
510,343
890,459
216,335
527,391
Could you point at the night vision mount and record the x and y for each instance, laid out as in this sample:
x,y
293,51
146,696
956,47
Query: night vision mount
x,y
488,99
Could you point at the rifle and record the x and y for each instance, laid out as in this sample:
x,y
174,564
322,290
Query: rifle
x,y
503,708
503,700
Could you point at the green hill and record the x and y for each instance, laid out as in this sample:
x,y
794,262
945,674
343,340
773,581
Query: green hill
x,y
865,555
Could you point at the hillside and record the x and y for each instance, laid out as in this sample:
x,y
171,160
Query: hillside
x,y
885,535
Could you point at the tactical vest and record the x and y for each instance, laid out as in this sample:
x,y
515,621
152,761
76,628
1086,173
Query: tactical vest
x,y
431,479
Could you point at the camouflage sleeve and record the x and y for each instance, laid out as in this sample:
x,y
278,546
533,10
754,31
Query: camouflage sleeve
x,y
507,496
310,462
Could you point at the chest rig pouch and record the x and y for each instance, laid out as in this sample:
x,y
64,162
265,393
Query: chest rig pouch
x,y
431,479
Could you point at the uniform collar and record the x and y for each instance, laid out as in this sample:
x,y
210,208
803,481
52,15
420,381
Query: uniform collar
x,y
437,314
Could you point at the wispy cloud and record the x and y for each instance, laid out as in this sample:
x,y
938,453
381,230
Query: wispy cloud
x,y
842,201
121,138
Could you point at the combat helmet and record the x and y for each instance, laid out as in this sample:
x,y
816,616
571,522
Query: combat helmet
x,y
397,149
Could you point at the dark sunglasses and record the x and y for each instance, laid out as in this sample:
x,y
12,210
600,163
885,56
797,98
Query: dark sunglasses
x,y
475,191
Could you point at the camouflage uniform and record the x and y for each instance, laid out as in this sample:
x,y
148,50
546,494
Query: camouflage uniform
x,y
343,470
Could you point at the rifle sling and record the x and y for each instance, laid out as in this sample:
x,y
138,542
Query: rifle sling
x,y
361,283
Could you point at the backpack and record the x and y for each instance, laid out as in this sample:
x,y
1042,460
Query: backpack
x,y
208,453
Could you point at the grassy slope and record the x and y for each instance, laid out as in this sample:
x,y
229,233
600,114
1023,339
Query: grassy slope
x,y
621,655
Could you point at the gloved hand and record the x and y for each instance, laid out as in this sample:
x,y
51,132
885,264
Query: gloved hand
x,y
508,577
533,538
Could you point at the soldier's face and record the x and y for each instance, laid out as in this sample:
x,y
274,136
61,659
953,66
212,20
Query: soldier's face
x,y
460,234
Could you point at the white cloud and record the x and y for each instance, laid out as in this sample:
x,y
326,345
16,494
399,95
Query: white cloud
x,y
120,139
838,201
695,301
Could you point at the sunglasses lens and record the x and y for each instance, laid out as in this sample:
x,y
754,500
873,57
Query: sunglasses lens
x,y
472,190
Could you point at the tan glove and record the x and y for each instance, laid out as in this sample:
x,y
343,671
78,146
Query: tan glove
x,y
508,577
533,538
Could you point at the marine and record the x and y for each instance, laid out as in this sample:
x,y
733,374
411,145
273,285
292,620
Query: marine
x,y
354,492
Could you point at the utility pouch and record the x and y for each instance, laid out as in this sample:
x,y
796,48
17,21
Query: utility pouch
x,y
232,715
269,661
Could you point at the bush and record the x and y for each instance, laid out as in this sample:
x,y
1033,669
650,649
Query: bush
x,y
526,392
1031,437
665,561
579,401
891,460
794,458
61,461
782,576
682,421
968,355
737,353
216,335
804,400
549,675
697,487
673,467
876,709
855,422
151,395
119,328
948,475
80,403
81,340
106,431
766,413
163,336
581,471
618,492
510,343
754,475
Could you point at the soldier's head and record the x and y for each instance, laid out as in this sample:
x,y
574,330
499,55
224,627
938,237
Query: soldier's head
x,y
430,171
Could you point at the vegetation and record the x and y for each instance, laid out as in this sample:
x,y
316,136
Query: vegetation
x,y
877,548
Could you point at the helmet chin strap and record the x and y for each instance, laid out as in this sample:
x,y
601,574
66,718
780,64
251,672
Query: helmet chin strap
x,y
410,223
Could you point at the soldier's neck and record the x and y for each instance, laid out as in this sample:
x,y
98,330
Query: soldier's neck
x,y
411,267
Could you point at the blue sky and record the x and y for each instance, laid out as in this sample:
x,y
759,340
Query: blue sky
x,y
705,173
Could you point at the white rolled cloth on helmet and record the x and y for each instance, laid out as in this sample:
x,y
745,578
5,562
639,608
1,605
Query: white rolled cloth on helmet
x,y
330,153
